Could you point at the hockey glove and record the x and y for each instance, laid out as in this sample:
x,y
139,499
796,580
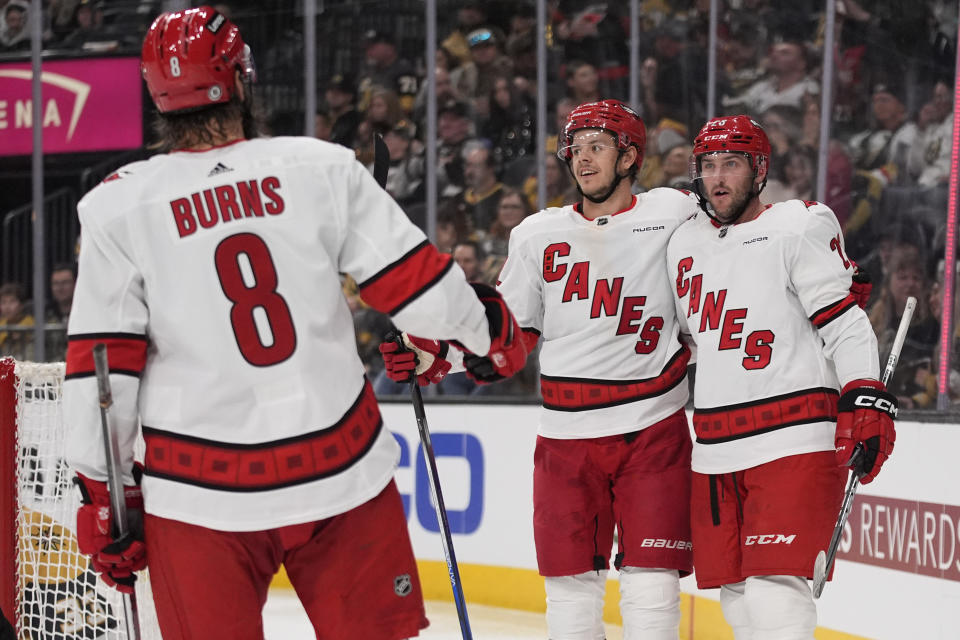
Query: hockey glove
x,y
115,559
865,414
508,350
860,287
426,358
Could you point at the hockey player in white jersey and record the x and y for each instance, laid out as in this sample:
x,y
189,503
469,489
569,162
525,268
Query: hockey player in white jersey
x,y
786,385
613,444
212,275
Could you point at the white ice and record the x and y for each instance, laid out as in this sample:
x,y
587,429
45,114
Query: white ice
x,y
284,619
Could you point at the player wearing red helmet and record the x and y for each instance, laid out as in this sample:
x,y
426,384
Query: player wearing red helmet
x,y
613,442
595,133
192,61
725,150
786,383
264,442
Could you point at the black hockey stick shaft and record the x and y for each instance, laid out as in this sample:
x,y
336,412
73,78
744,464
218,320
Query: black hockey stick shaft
x,y
111,449
381,160
824,561
448,553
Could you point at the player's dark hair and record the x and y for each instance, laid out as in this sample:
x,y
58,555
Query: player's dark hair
x,y
204,126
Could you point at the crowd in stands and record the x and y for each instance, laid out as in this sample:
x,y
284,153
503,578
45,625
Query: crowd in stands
x,y
888,158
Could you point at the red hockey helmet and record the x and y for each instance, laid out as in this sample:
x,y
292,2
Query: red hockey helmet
x,y
734,134
610,115
189,58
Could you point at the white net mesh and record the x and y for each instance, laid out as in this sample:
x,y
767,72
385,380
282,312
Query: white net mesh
x,y
58,596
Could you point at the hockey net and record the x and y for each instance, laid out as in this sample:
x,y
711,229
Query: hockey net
x,y
48,591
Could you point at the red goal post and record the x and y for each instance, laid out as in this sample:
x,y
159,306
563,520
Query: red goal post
x,y
47,589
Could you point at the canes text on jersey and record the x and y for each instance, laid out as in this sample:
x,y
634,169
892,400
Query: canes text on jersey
x,y
606,296
757,346
245,199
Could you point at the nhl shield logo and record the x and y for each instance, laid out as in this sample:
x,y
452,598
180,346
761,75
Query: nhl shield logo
x,y
402,585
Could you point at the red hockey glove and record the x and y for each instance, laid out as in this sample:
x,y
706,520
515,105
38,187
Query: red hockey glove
x,y
865,414
425,357
508,350
860,287
115,559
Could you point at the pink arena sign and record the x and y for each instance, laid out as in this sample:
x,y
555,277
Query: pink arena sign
x,y
906,535
87,105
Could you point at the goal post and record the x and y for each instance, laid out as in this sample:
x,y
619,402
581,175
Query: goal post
x,y
48,589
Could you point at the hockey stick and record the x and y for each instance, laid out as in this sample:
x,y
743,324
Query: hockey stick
x,y
824,561
448,553
381,160
114,482
381,166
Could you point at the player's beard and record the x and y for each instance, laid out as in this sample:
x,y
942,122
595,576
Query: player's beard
x,y
737,203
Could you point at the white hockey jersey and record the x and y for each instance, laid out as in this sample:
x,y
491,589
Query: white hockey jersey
x,y
214,280
777,332
611,361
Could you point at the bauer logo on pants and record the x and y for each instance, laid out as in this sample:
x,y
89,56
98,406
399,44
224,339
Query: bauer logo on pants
x,y
402,585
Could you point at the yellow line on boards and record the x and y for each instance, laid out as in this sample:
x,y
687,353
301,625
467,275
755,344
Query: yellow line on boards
x,y
701,618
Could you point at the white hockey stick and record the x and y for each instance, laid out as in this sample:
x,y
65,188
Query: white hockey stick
x,y
114,480
824,561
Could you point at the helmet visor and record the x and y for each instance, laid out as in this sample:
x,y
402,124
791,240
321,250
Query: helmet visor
x,y
721,164
589,142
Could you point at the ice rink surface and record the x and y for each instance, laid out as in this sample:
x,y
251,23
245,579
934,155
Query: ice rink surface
x,y
284,619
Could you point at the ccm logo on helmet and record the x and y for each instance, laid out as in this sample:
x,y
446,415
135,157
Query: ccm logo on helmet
x,y
880,404
770,538
662,543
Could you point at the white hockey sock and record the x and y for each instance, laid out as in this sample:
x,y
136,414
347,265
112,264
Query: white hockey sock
x,y
735,611
650,603
781,608
575,606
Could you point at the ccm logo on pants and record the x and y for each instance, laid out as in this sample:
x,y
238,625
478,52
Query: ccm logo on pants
x,y
770,538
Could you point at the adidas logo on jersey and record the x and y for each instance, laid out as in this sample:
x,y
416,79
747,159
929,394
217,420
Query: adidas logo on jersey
x,y
217,170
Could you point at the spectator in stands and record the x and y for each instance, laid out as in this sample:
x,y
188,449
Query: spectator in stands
x,y
454,129
452,226
14,35
510,127
675,78
929,159
15,341
482,193
446,92
88,25
383,112
595,33
906,278
489,63
471,15
340,95
787,82
675,166
560,188
560,113
800,173
885,146
583,83
469,256
839,167
511,211
384,67
63,278
407,164
521,48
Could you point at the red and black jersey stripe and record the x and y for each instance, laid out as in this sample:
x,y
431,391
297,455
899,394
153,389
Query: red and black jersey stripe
x,y
229,466
735,421
403,281
582,394
126,353
831,312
